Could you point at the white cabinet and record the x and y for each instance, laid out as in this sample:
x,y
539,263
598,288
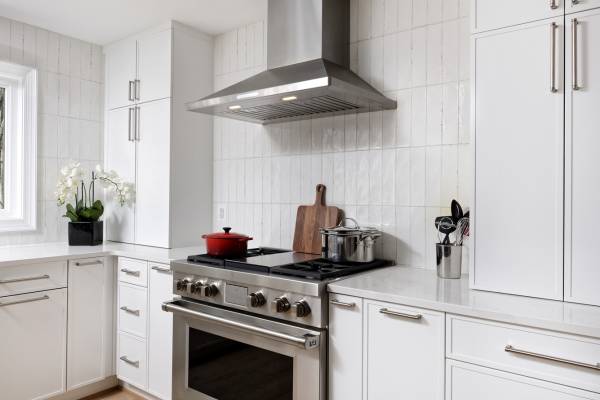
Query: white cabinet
x,y
90,322
582,271
132,364
345,347
160,332
519,132
33,345
494,14
404,352
472,382
121,66
574,6
120,157
154,142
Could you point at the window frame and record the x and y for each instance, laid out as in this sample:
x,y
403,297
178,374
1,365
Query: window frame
x,y
20,146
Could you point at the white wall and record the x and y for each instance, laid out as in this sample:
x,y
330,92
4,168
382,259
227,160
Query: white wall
x,y
70,118
397,170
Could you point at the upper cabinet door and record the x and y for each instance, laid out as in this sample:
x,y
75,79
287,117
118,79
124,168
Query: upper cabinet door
x,y
518,117
581,5
120,157
582,269
121,67
154,66
153,184
494,14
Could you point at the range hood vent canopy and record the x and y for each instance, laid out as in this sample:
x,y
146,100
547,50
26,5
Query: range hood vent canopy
x,y
308,71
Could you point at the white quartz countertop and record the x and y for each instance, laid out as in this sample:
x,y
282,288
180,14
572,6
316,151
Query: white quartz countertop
x,y
422,288
23,254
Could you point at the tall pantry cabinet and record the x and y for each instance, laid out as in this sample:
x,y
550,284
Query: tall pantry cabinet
x,y
536,90
153,142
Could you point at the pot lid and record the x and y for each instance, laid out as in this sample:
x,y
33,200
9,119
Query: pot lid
x,y
343,229
227,234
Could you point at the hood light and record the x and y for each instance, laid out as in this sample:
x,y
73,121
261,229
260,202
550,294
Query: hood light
x,y
289,98
237,107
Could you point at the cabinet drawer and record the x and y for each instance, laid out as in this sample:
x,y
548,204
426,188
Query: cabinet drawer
x,y
132,309
132,364
25,278
471,382
485,343
133,271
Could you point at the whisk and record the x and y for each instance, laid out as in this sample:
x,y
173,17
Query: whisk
x,y
462,230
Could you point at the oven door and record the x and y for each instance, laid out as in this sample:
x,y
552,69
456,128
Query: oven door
x,y
220,354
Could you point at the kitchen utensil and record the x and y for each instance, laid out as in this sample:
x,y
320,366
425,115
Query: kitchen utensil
x,y
462,230
448,260
310,219
226,244
344,243
456,211
445,225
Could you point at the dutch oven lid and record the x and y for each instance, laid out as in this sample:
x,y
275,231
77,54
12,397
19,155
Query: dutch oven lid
x,y
227,234
343,229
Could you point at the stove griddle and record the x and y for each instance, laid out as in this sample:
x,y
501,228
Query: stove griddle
x,y
320,269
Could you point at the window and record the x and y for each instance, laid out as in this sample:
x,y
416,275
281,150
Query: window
x,y
18,155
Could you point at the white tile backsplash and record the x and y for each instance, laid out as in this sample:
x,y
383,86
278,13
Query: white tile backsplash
x,y
396,169
70,120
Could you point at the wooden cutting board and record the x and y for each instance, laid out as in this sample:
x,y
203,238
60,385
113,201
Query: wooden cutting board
x,y
310,219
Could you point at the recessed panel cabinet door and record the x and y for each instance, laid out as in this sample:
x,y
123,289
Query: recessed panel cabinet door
x,y
152,197
154,66
518,117
33,333
582,265
494,14
404,352
121,64
120,157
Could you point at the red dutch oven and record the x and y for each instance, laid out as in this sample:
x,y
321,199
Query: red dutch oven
x,y
226,244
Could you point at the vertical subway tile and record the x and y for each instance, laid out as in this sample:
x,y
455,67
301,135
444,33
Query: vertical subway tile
x,y
339,179
390,62
376,134
389,125
29,45
362,131
375,176
450,9
419,13
434,54
464,112
434,114
417,236
350,137
419,117
362,177
338,133
64,55
377,17
433,183
465,174
404,60
75,58
403,250
450,114
17,39
390,23
464,48
450,51
449,188
364,19
388,178
402,176
350,178
405,14
419,57
5,34
434,11
417,176
364,60
354,21
403,117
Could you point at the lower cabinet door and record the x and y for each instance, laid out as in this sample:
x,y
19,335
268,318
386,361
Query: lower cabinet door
x,y
472,382
160,333
404,352
33,333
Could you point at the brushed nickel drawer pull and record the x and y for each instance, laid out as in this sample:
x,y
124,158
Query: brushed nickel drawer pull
x,y
342,304
130,362
160,269
553,29
574,2
85,264
130,311
12,303
25,279
574,54
553,4
136,89
511,349
130,272
131,90
399,314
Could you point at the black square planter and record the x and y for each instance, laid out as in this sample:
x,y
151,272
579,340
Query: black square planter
x,y
86,233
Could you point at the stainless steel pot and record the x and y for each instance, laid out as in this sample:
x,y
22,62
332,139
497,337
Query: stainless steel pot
x,y
343,243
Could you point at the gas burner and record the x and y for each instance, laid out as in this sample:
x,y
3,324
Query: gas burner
x,y
207,259
321,269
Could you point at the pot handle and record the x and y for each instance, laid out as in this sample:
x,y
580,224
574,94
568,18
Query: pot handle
x,y
342,223
246,239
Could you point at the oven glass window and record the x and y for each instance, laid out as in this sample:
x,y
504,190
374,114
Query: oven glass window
x,y
228,370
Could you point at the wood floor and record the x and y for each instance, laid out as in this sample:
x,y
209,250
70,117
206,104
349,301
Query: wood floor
x,y
115,394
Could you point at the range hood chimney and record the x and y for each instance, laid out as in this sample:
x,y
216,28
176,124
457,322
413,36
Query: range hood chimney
x,y
308,75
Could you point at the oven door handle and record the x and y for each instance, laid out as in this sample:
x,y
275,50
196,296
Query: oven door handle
x,y
308,341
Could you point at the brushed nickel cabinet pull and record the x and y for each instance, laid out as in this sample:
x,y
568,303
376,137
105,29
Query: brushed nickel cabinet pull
x,y
131,118
574,2
553,29
130,311
131,90
25,279
85,264
160,269
137,89
553,4
511,349
574,53
342,304
130,272
137,123
399,314
130,362
12,303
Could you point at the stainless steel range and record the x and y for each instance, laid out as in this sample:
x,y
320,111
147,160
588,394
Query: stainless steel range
x,y
254,327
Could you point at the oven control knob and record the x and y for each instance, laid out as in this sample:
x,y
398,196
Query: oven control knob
x,y
211,290
257,299
301,309
281,304
182,284
196,287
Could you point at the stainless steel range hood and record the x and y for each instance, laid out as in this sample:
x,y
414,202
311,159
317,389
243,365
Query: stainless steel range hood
x,y
308,75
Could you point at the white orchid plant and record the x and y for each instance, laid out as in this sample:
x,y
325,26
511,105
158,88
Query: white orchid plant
x,y
72,188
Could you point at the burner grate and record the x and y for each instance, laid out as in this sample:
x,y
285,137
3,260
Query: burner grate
x,y
321,269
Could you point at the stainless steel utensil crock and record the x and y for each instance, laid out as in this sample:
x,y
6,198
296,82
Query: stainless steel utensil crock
x,y
344,244
448,260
